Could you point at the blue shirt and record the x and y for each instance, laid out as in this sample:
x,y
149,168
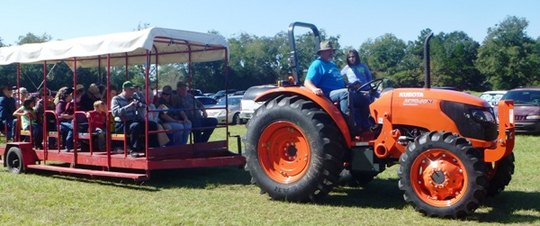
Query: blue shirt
x,y
357,74
7,107
325,75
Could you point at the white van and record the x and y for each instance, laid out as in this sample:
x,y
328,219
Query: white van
x,y
493,97
248,105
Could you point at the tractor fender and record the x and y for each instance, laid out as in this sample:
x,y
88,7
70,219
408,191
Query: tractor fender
x,y
325,104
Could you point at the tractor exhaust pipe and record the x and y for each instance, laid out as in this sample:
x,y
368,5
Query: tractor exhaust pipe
x,y
427,69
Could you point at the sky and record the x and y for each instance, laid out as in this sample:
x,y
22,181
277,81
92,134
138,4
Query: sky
x,y
355,21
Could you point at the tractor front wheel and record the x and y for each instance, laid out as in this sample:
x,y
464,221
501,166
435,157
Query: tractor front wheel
x,y
500,174
294,150
442,175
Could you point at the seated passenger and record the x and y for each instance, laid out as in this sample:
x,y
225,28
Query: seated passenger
x,y
174,119
153,116
20,95
324,79
28,120
128,117
98,123
65,112
7,107
196,113
358,74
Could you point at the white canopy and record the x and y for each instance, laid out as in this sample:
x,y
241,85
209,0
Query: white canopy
x,y
171,46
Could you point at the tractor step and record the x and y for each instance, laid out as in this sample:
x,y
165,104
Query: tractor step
x,y
93,173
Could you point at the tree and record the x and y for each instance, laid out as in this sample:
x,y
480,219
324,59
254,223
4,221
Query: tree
x,y
384,57
508,56
453,57
384,54
31,75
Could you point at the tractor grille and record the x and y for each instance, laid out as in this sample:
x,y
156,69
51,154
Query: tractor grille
x,y
467,126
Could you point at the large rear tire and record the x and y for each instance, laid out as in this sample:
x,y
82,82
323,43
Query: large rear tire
x,y
294,150
442,175
500,174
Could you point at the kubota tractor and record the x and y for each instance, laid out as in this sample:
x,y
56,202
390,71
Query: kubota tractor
x,y
451,150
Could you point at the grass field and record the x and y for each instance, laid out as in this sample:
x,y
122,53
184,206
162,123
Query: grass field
x,y
224,196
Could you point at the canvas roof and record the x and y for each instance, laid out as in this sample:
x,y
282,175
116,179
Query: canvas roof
x,y
173,46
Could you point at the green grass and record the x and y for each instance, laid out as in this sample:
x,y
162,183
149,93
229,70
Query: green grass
x,y
224,196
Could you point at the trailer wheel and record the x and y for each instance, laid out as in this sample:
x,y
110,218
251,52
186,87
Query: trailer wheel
x,y
14,160
441,175
500,174
294,150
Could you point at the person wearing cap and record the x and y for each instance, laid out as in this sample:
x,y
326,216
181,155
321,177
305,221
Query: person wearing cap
x,y
7,107
202,126
128,117
324,78
65,111
175,120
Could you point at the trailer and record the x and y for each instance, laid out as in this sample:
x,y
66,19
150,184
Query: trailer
x,y
148,49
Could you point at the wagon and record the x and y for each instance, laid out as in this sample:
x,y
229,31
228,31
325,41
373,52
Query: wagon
x,y
148,49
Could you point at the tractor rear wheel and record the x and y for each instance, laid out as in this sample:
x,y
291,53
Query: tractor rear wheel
x,y
294,150
500,174
441,175
14,160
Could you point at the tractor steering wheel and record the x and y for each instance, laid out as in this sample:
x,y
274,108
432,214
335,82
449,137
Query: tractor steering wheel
x,y
373,85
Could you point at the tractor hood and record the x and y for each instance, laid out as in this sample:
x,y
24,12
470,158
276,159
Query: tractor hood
x,y
419,96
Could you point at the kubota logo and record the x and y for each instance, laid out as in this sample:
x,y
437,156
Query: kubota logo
x,y
411,94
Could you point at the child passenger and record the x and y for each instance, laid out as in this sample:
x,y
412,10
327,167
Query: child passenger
x,y
28,120
97,123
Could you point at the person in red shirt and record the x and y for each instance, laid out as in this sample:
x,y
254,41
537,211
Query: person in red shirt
x,y
97,120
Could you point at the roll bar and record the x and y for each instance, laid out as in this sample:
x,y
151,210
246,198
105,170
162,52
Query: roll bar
x,y
296,70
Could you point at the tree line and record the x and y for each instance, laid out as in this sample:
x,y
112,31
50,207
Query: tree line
x,y
507,58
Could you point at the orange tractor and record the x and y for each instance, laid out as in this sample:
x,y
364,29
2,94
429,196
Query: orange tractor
x,y
451,149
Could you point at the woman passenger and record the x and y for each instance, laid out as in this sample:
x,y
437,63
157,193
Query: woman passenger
x,y
64,111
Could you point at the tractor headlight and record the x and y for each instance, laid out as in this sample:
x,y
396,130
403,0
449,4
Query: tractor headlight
x,y
532,117
483,116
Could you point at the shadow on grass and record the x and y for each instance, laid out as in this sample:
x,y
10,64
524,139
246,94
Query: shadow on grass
x,y
379,193
199,177
163,179
507,207
512,207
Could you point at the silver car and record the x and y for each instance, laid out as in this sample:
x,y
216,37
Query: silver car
x,y
219,111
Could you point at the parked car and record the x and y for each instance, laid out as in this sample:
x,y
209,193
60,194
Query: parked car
x,y
219,111
493,97
526,108
248,105
219,94
239,92
206,101
196,92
